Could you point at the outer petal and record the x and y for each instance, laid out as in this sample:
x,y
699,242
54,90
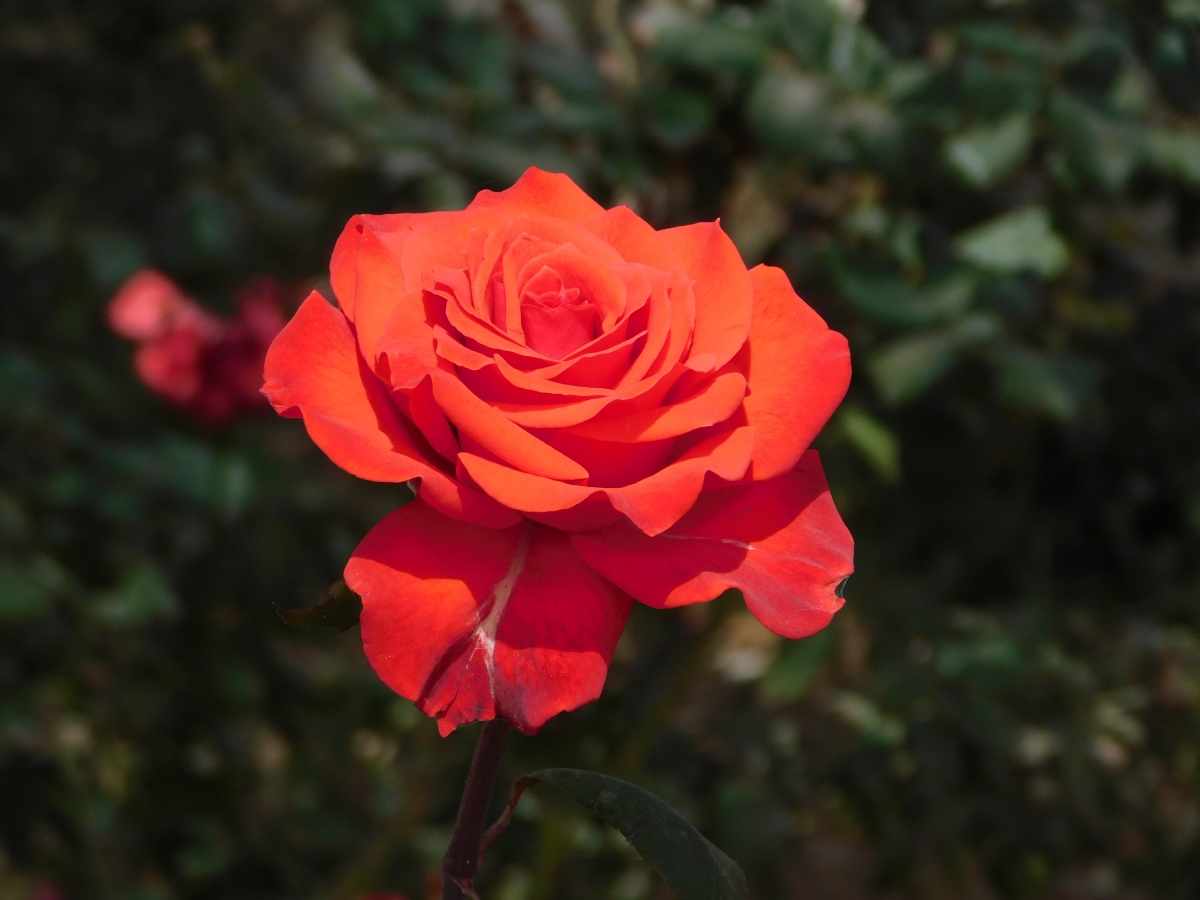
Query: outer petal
x,y
798,372
724,301
314,368
471,623
538,194
781,543
634,239
557,635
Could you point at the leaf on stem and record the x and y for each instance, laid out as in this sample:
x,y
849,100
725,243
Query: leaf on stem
x,y
692,867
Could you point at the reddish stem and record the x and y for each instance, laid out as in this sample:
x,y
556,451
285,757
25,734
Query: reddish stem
x,y
463,856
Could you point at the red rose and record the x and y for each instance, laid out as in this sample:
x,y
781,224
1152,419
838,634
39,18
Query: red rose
x,y
192,358
595,410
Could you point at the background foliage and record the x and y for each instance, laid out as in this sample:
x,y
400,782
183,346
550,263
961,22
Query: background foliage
x,y
999,202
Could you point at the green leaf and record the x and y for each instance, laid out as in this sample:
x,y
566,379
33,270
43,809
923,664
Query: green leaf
x,y
142,595
1002,39
1187,11
1176,150
1105,149
678,117
692,866
894,301
1038,382
1022,240
793,670
732,41
907,367
986,155
861,713
874,441
789,109
340,609
27,592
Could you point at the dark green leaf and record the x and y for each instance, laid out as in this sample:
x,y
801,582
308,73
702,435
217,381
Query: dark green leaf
x,y
143,594
340,609
687,861
731,42
905,368
678,117
894,301
1105,149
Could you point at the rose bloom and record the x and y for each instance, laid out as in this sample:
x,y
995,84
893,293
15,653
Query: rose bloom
x,y
596,412
209,366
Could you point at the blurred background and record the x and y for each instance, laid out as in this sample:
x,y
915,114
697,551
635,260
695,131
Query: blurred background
x,y
998,201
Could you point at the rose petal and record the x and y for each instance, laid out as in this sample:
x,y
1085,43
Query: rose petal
x,y
314,368
471,623
611,464
780,542
511,443
654,503
712,404
343,266
558,634
657,502
520,490
537,194
382,307
797,369
631,236
724,298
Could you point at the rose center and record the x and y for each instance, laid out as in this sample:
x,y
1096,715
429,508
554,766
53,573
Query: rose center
x,y
556,319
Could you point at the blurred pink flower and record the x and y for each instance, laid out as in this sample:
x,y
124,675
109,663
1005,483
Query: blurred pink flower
x,y
209,366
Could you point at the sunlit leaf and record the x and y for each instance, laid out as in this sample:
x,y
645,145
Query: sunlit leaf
x,y
1022,240
987,154
874,441
790,112
905,368
862,714
1187,11
1176,150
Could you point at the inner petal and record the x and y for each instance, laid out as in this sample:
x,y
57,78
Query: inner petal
x,y
556,320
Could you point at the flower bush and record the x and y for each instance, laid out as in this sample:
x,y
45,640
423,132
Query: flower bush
x,y
995,203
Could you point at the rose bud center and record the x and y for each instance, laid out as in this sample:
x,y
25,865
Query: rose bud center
x,y
556,319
